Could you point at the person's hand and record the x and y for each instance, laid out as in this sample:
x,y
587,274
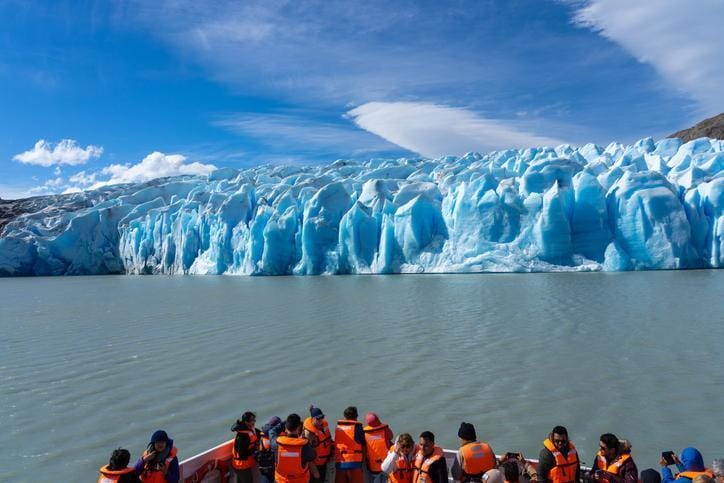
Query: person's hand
x,y
676,459
148,456
521,458
503,458
663,462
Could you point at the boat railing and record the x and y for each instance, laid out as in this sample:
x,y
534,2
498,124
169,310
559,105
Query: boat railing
x,y
222,452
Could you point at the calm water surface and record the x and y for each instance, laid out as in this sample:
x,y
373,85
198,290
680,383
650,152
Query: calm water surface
x,y
88,364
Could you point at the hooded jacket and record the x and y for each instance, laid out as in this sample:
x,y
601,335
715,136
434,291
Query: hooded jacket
x,y
691,460
172,474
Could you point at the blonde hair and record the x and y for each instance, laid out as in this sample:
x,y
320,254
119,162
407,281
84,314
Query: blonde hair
x,y
405,439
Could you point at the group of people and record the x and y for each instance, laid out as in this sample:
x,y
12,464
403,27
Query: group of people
x,y
297,450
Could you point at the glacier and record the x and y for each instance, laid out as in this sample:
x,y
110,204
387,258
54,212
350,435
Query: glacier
x,y
650,205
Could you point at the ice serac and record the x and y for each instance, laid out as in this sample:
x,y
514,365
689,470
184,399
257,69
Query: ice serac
x,y
650,205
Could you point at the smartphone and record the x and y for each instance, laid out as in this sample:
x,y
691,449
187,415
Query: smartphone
x,y
512,456
668,457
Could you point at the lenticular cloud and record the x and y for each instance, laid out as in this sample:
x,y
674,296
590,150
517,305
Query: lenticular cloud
x,y
651,205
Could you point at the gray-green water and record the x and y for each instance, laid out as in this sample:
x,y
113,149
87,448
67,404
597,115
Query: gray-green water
x,y
92,363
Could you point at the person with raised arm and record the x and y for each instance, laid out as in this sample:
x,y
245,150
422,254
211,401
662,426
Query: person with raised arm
x,y
159,463
399,465
690,465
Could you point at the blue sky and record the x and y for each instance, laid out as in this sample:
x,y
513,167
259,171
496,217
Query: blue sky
x,y
96,92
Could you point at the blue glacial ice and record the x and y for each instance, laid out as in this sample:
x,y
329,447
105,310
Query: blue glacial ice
x,y
651,205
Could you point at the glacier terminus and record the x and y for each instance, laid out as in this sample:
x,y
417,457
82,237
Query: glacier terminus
x,y
650,205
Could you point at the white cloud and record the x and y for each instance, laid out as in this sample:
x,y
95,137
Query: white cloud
x,y
67,151
681,40
435,130
155,165
83,179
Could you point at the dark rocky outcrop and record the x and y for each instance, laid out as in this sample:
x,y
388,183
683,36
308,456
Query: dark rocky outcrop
x,y
708,128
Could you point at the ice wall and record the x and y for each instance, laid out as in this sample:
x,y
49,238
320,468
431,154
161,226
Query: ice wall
x,y
652,205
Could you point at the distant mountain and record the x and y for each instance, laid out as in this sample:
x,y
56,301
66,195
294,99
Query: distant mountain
x,y
708,128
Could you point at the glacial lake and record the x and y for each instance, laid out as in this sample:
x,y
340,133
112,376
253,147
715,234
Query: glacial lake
x,y
88,364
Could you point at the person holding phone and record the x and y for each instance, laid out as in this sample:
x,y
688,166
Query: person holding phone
x,y
690,465
158,464
613,462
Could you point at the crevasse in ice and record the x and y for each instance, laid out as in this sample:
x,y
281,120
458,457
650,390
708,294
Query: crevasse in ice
x,y
651,205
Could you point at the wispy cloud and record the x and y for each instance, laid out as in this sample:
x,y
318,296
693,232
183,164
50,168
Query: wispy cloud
x,y
67,152
299,133
435,130
681,40
332,52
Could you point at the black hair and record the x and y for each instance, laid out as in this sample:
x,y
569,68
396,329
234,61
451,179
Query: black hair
x,y
293,422
119,459
351,412
247,417
428,436
560,430
511,471
610,440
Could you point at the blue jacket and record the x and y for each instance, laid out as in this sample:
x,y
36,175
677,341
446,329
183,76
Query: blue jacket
x,y
691,460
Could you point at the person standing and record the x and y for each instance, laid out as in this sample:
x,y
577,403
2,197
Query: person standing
x,y
613,462
246,444
316,430
158,464
430,464
349,443
117,469
294,461
558,460
378,439
399,465
265,455
474,458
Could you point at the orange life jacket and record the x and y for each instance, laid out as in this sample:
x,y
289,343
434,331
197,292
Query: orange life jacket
x,y
693,474
347,451
289,467
324,440
565,469
615,465
249,462
422,465
109,476
405,468
156,475
377,445
477,459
